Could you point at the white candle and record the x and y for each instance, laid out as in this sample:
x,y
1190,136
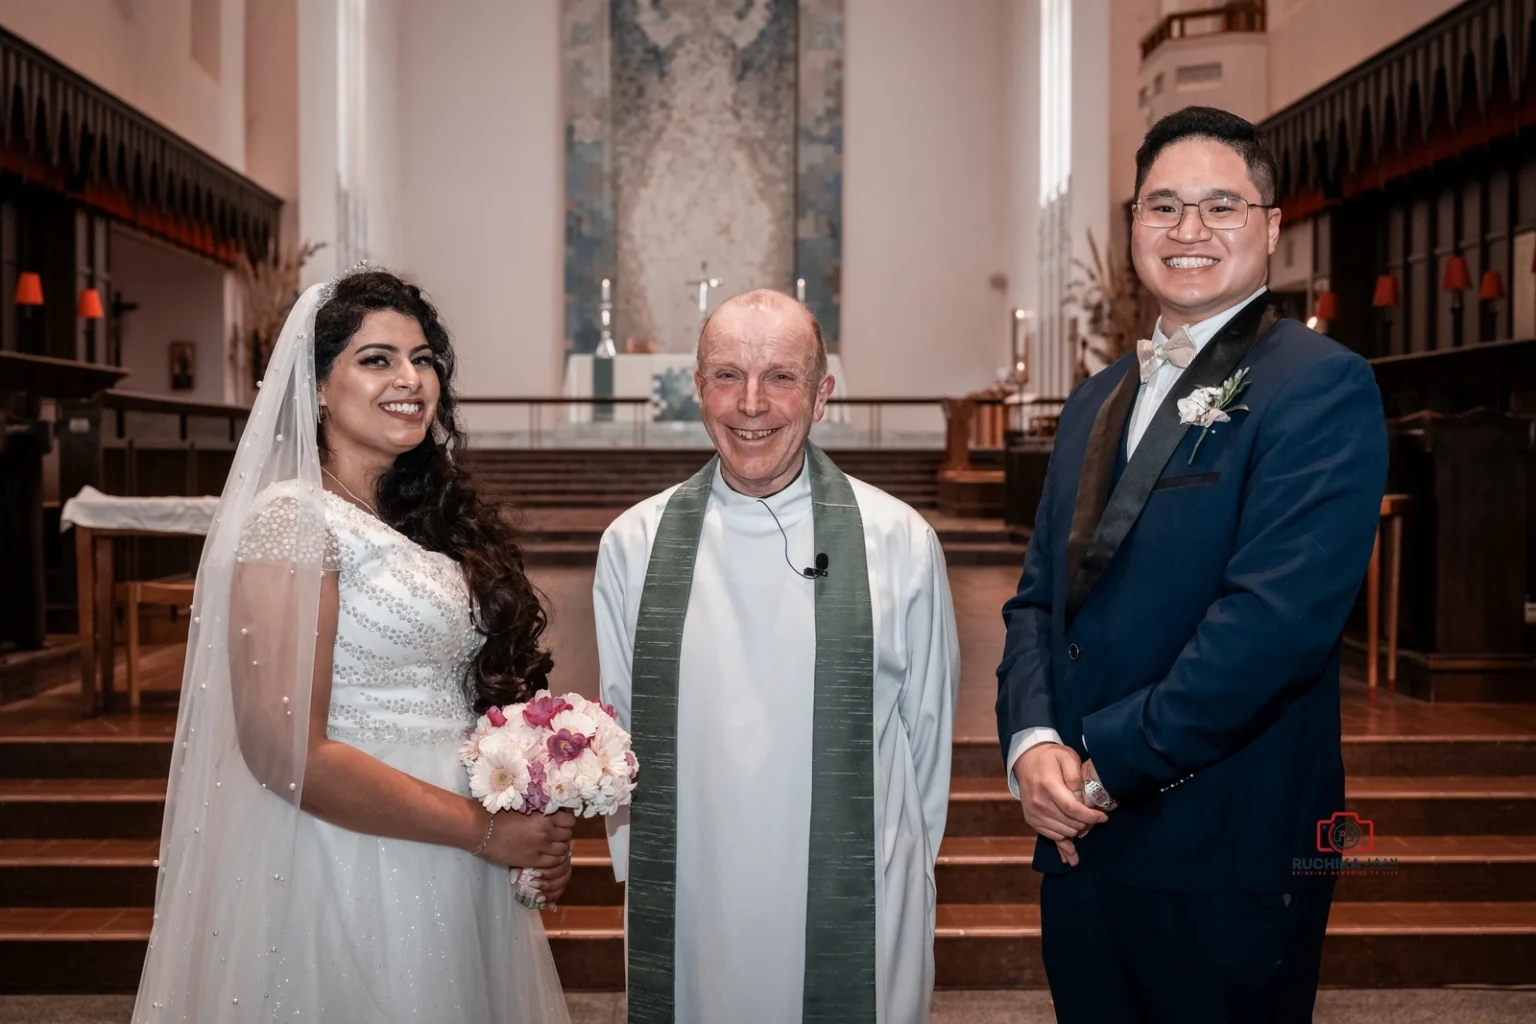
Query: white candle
x,y
800,289
606,291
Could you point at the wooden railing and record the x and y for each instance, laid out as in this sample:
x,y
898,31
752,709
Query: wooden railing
x,y
1235,17
121,403
96,149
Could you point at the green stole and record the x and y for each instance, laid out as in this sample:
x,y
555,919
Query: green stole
x,y
840,898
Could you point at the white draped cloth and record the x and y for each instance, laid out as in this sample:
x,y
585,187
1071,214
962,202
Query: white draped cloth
x,y
745,698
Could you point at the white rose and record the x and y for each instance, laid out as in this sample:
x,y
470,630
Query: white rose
x,y
1192,408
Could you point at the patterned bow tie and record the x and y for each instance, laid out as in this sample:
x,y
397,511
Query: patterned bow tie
x,y
1178,350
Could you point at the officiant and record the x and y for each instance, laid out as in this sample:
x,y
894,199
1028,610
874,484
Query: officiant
x,y
780,640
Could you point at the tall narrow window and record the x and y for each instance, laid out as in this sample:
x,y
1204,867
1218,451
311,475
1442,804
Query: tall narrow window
x,y
352,135
206,33
1055,98
1056,358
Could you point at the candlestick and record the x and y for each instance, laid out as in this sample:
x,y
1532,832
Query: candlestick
x,y
1020,345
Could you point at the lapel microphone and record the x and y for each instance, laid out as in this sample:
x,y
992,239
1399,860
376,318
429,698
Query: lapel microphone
x,y
822,561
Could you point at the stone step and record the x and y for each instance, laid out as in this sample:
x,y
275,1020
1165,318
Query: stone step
x,y
984,553
62,755
1397,805
67,808
541,552
102,757
970,870
76,808
990,946
549,528
562,553
919,500
603,471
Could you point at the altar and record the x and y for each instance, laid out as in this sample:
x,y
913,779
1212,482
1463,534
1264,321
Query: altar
x,y
666,378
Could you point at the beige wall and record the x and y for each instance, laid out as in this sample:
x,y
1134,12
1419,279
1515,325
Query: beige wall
x,y
1314,41
482,216
181,297
925,195
141,51
1132,20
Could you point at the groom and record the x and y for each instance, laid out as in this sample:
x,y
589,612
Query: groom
x,y
1168,697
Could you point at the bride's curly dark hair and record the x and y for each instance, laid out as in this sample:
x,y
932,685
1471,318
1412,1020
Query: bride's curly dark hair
x,y
427,496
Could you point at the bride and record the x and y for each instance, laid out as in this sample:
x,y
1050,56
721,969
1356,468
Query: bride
x,y
356,607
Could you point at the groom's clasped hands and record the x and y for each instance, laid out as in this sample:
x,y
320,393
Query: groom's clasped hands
x,y
1050,777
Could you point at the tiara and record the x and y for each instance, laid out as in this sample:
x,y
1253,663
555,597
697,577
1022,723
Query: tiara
x,y
330,286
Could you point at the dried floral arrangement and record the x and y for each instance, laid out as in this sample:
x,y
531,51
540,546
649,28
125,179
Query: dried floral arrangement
x,y
1118,309
268,289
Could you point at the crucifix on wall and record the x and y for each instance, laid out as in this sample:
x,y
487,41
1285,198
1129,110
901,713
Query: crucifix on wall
x,y
704,284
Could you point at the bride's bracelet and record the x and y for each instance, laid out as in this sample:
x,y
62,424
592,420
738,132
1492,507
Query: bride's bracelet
x,y
487,840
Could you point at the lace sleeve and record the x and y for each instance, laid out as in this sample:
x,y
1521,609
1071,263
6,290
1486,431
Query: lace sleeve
x,y
281,531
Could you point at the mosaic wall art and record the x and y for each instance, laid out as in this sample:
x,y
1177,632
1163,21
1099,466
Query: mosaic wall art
x,y
699,132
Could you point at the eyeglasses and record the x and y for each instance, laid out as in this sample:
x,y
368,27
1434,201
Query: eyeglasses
x,y
1221,213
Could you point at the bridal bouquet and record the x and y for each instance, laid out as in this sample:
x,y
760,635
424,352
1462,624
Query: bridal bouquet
x,y
546,755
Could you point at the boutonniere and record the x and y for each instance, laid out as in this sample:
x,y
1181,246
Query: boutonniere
x,y
1206,407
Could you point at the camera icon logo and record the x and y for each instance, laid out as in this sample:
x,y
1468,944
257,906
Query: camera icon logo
x,y
1346,832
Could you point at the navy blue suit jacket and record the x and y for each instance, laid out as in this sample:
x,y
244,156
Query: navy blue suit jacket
x,y
1179,621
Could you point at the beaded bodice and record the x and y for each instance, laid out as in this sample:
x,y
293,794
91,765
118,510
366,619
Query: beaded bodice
x,y
404,638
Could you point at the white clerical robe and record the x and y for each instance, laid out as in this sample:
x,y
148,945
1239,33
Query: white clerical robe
x,y
745,699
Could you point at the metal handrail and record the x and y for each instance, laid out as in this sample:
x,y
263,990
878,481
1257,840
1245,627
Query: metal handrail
x,y
537,403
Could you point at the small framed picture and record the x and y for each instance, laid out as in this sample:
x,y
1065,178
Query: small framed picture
x,y
183,357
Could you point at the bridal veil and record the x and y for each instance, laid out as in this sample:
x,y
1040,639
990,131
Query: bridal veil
x,y
237,769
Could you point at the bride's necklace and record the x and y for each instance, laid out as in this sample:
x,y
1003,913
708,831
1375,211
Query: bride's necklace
x,y
344,487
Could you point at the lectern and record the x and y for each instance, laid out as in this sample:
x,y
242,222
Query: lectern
x,y
26,380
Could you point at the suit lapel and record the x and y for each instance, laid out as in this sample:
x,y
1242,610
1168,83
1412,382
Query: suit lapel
x,y
1098,529
1106,445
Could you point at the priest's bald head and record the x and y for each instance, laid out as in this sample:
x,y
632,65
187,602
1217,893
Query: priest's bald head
x,y
762,381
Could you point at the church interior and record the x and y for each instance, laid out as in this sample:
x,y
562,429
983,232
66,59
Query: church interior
x,y
577,184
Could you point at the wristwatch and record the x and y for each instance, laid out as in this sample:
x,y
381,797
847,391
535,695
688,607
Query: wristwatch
x,y
1094,791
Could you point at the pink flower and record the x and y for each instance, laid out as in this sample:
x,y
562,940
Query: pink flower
x,y
566,745
497,718
608,709
537,797
634,765
541,709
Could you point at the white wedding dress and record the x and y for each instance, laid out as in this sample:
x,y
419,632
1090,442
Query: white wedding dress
x,y
385,929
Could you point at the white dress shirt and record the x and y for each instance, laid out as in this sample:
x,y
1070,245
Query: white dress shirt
x,y
1149,397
